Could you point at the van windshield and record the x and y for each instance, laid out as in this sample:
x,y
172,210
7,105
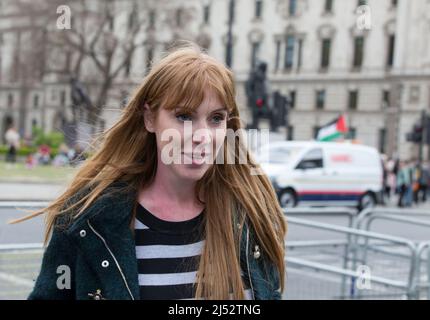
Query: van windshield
x,y
277,155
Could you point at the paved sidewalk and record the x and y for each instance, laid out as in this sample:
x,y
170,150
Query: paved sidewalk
x,y
11,191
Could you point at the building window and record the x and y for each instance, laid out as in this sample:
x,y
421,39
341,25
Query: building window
x,y
258,8
290,133
325,53
362,3
128,65
358,52
149,58
63,98
393,3
10,100
231,49
278,54
152,19
124,98
255,48
292,99
300,53
292,7
353,100
206,14
54,95
382,140
35,101
414,94
132,19
386,98
328,6
315,131
179,17
289,53
391,45
111,22
320,99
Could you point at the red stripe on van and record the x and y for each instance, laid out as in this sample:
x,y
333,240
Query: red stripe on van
x,y
329,192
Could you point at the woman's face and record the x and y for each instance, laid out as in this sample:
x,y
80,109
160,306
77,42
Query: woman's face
x,y
187,144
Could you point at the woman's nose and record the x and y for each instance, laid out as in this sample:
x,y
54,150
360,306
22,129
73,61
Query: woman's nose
x,y
202,136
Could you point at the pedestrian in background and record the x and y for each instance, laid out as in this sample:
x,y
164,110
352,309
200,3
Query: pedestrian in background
x,y
12,138
416,178
44,155
410,171
404,184
424,181
76,155
61,159
391,178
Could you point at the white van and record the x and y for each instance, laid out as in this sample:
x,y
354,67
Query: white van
x,y
316,173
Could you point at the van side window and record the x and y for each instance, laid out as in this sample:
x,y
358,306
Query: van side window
x,y
313,159
280,155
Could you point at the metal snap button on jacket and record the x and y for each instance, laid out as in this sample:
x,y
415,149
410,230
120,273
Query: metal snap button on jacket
x,y
257,253
97,295
82,233
105,263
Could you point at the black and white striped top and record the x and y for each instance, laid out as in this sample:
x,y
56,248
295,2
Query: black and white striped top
x,y
168,256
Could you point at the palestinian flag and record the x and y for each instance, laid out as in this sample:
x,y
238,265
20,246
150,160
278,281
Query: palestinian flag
x,y
333,130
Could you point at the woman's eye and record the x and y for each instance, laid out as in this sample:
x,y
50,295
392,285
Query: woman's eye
x,y
217,119
183,117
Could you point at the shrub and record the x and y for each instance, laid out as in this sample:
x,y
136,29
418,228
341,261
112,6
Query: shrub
x,y
53,139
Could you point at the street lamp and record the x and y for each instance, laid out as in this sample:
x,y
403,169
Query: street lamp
x,y
207,2
228,58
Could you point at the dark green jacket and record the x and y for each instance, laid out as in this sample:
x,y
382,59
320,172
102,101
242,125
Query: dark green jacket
x,y
98,249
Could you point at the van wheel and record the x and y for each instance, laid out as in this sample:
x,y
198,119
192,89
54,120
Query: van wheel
x,y
367,200
287,198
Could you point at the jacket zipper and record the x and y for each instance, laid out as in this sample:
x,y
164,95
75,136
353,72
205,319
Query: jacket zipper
x,y
247,263
114,259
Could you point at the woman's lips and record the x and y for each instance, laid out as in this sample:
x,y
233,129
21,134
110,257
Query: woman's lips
x,y
197,158
194,156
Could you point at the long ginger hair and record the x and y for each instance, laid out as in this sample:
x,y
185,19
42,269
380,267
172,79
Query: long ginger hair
x,y
231,193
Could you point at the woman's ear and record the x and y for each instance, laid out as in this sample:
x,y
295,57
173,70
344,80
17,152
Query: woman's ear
x,y
148,118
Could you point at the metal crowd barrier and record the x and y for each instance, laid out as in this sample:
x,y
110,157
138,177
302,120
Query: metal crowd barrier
x,y
399,268
407,217
349,213
316,268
